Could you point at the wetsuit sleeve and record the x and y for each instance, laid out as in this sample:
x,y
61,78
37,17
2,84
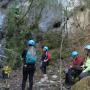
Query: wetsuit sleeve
x,y
87,64
47,55
86,70
43,57
24,55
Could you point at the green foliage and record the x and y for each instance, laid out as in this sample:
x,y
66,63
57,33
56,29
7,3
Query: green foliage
x,y
11,20
11,57
13,14
54,55
87,3
17,33
52,39
65,54
17,64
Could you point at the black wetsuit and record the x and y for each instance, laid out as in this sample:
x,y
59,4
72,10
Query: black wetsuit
x,y
28,70
44,64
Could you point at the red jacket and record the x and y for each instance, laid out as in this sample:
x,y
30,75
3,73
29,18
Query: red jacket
x,y
77,61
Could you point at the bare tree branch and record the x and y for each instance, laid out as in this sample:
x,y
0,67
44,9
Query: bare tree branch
x,y
29,8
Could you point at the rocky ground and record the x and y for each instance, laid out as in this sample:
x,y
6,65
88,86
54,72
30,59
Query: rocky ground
x,y
53,82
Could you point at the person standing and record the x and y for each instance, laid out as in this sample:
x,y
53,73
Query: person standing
x,y
45,62
29,58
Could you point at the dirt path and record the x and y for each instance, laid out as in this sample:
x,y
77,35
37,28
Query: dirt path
x,y
53,82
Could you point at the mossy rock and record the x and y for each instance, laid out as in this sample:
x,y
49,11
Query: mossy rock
x,y
83,84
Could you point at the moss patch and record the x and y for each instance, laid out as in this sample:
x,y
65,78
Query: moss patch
x,y
83,84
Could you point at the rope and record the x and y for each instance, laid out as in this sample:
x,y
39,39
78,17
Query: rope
x,y
61,62
61,47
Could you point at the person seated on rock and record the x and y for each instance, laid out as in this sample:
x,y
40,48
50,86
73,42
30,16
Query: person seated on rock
x,y
86,66
75,68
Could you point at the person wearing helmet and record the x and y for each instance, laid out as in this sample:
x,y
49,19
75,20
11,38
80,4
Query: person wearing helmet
x,y
29,58
45,61
75,68
86,66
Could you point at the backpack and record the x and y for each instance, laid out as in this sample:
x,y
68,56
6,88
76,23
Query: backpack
x,y
48,56
30,59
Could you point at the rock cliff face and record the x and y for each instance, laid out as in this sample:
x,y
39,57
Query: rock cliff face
x,y
2,28
81,18
3,14
4,3
84,17
53,13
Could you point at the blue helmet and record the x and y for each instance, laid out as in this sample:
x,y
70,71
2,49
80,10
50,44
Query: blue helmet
x,y
87,47
45,48
31,42
74,53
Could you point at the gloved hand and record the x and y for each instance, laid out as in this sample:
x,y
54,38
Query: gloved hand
x,y
71,66
25,65
84,67
45,60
